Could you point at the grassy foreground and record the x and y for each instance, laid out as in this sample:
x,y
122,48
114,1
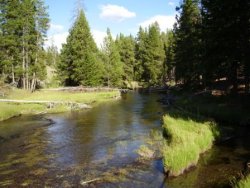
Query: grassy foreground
x,y
186,140
8,110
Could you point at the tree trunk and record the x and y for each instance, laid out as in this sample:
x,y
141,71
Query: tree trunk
x,y
13,74
23,64
27,71
33,83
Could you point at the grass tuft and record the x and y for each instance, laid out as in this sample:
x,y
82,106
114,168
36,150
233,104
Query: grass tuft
x,y
186,140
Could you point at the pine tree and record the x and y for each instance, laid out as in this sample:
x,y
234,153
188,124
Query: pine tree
x,y
79,57
226,37
52,56
23,26
112,61
126,46
169,64
154,57
41,26
188,43
140,53
113,65
10,37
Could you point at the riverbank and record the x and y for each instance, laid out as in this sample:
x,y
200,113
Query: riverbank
x,y
61,100
185,139
231,110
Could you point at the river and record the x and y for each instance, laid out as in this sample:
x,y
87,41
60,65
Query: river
x,y
99,145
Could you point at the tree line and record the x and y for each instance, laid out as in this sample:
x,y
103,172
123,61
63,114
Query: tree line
x,y
119,61
23,26
210,42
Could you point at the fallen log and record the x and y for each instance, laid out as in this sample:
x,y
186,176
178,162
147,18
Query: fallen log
x,y
50,104
89,181
82,89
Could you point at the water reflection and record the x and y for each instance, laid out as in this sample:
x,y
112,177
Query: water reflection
x,y
107,132
86,144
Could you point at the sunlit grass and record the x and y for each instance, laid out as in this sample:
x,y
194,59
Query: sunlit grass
x,y
186,140
8,110
244,183
63,96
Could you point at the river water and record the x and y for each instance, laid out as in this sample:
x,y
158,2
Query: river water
x,y
99,145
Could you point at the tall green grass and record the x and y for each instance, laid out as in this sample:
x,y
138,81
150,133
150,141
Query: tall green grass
x,y
186,140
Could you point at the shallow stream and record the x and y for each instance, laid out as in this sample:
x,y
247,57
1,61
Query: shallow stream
x,y
99,145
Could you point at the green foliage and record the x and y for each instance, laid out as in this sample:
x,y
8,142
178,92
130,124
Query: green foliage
x,y
150,56
227,41
212,41
140,50
23,26
79,57
112,62
52,56
188,43
126,47
169,64
153,65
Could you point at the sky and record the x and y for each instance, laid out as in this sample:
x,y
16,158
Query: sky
x,y
121,16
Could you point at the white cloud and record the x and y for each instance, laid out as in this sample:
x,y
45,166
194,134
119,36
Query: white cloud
x,y
165,22
56,36
171,3
54,28
60,38
115,13
57,40
98,37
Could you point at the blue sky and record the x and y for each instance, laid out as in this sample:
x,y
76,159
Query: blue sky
x,y
121,16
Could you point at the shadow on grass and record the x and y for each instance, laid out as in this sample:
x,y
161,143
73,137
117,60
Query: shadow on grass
x,y
230,110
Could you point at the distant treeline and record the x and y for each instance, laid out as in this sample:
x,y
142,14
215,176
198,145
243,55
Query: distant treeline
x,y
210,41
120,60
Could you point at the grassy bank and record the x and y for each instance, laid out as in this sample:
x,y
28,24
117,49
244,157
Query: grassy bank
x,y
186,139
244,183
8,110
227,109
